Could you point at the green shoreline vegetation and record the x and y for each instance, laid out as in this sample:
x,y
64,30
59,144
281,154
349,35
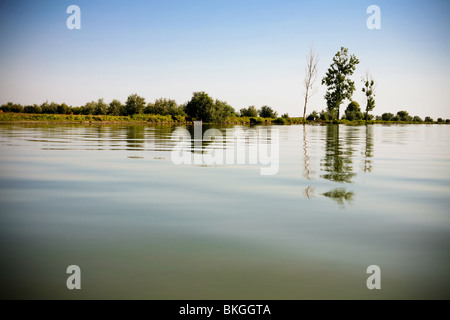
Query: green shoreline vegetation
x,y
7,118
202,107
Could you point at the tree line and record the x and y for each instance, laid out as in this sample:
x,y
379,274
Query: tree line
x,y
340,87
353,113
201,107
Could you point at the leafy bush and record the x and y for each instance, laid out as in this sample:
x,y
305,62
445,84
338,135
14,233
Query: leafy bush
x,y
134,105
101,108
387,117
164,107
249,112
353,112
88,108
203,107
32,109
404,116
267,112
49,108
116,108
313,116
281,121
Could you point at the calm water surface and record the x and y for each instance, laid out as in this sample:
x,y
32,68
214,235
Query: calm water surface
x,y
110,200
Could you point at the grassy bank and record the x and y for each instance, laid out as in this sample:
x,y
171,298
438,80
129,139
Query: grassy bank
x,y
8,117
67,118
159,119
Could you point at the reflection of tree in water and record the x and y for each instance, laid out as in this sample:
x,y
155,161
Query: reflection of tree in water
x,y
307,171
309,190
337,162
101,135
116,138
135,137
204,135
160,138
368,152
339,195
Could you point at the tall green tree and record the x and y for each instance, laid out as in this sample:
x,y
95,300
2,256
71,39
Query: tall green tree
x,y
63,109
32,109
49,108
201,106
369,90
88,108
168,106
267,112
164,107
101,107
249,112
135,104
224,110
387,116
116,108
337,79
403,116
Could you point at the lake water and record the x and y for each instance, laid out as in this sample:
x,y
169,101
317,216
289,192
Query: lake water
x,y
110,200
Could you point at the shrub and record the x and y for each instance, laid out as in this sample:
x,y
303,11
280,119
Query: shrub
x,y
134,105
164,107
202,106
313,116
267,112
12,107
116,108
88,108
387,117
404,116
32,109
281,121
49,108
353,112
63,109
76,110
101,108
249,112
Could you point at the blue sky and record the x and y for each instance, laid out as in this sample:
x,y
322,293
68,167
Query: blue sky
x,y
245,52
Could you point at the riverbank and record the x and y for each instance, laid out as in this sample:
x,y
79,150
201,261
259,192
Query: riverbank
x,y
160,119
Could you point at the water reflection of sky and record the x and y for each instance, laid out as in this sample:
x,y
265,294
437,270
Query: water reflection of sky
x,y
344,198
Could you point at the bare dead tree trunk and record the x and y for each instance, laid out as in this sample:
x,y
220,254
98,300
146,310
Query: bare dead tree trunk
x,y
310,77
